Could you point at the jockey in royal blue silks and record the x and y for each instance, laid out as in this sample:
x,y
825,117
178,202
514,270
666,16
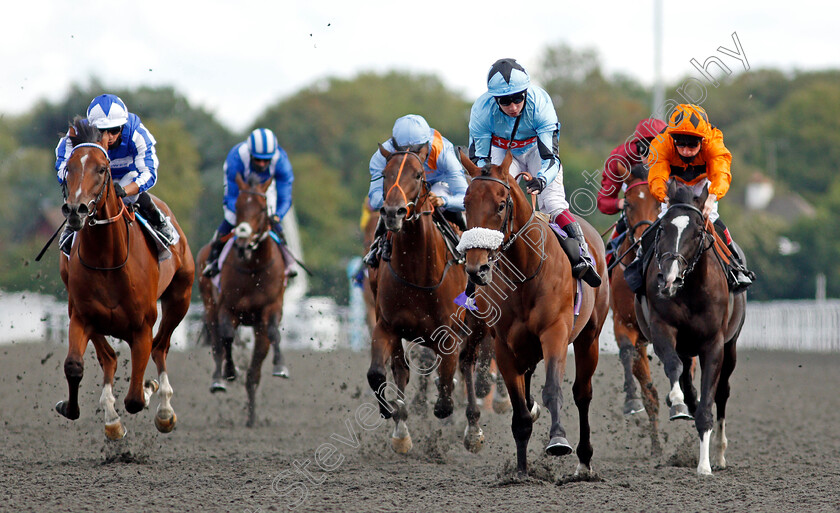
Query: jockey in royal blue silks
x,y
444,173
134,163
260,155
517,116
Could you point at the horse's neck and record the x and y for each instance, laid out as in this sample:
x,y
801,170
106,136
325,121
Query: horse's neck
x,y
415,238
264,253
532,243
105,245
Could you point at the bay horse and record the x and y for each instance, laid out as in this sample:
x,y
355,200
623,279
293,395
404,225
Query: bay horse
x,y
369,280
252,282
414,292
640,212
533,293
113,280
689,311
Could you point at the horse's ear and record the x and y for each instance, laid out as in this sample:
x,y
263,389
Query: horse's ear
x,y
471,168
672,188
701,199
385,153
265,185
424,152
505,167
240,182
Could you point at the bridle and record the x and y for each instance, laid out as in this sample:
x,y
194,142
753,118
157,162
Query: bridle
x,y
254,244
687,265
424,186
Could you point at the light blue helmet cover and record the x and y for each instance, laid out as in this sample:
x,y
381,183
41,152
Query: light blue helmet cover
x,y
506,77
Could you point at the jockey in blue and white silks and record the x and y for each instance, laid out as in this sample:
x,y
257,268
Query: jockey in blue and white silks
x,y
442,167
131,150
261,156
517,116
444,171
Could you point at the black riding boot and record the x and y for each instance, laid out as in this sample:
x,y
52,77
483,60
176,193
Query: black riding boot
x,y
457,218
211,268
156,218
65,240
378,247
738,276
585,268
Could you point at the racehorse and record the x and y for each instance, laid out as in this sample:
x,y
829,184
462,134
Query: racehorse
x,y
114,279
369,280
640,212
414,293
250,291
533,296
688,311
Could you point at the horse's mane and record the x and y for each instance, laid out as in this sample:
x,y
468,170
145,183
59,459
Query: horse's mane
x,y
682,194
85,133
640,171
253,179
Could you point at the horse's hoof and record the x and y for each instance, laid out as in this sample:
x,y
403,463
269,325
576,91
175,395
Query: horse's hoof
x,y
473,439
501,405
231,374
166,425
218,386
444,408
535,412
583,471
61,407
281,371
633,406
152,384
558,446
680,412
704,470
402,445
115,431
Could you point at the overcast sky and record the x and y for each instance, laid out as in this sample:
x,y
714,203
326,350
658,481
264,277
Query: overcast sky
x,y
236,58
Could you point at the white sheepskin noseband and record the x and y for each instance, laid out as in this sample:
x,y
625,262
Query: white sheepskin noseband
x,y
483,238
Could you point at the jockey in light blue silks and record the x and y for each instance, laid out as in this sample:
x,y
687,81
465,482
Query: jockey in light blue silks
x,y
260,155
516,116
444,173
134,163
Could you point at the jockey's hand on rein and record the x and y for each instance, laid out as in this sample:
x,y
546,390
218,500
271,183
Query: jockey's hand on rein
x,y
535,185
118,189
275,219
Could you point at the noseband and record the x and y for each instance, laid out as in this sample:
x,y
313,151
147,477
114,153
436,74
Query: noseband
x,y
507,223
424,185
253,245
705,236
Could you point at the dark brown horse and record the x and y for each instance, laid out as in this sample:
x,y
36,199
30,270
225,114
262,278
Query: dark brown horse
x,y
527,281
252,282
113,281
414,293
640,212
688,311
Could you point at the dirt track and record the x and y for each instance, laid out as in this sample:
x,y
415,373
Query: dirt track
x,y
783,427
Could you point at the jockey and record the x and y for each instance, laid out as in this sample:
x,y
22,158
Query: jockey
x,y
444,173
516,116
259,155
691,150
622,160
134,163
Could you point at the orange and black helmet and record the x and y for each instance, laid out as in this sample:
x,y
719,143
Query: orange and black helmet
x,y
689,119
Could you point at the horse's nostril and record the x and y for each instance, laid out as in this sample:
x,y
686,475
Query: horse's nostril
x,y
65,209
382,211
83,210
402,211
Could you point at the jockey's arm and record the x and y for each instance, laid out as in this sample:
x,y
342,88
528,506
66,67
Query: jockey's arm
x,y
449,165
547,143
145,160
283,179
614,172
375,192
718,163
233,166
481,134
659,167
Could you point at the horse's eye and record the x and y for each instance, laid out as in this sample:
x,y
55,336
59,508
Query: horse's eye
x,y
102,170
419,174
501,207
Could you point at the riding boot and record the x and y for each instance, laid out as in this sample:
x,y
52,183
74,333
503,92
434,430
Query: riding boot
x,y
212,267
616,239
585,268
457,218
288,258
156,218
376,249
738,276
65,240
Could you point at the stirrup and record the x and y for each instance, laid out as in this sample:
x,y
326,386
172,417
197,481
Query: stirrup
x,y
372,258
211,269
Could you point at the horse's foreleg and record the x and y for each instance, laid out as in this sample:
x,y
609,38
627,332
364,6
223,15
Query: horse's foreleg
x,y
721,396
554,348
227,332
522,421
381,347
262,341
444,406
473,436
217,384
586,360
107,358
664,344
687,384
400,438
174,304
711,363
641,369
141,349
73,368
628,355
279,368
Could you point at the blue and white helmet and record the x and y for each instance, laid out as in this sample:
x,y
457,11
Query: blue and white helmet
x,y
506,77
410,130
107,111
262,144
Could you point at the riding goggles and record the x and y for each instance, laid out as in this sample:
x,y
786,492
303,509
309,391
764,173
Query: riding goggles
x,y
516,98
685,140
113,130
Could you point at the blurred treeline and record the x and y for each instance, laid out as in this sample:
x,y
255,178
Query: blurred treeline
x,y
783,125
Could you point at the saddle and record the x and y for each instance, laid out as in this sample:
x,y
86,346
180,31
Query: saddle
x,y
450,237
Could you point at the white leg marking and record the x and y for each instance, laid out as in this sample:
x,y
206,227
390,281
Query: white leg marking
x,y
107,401
721,442
676,394
704,468
164,394
583,470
